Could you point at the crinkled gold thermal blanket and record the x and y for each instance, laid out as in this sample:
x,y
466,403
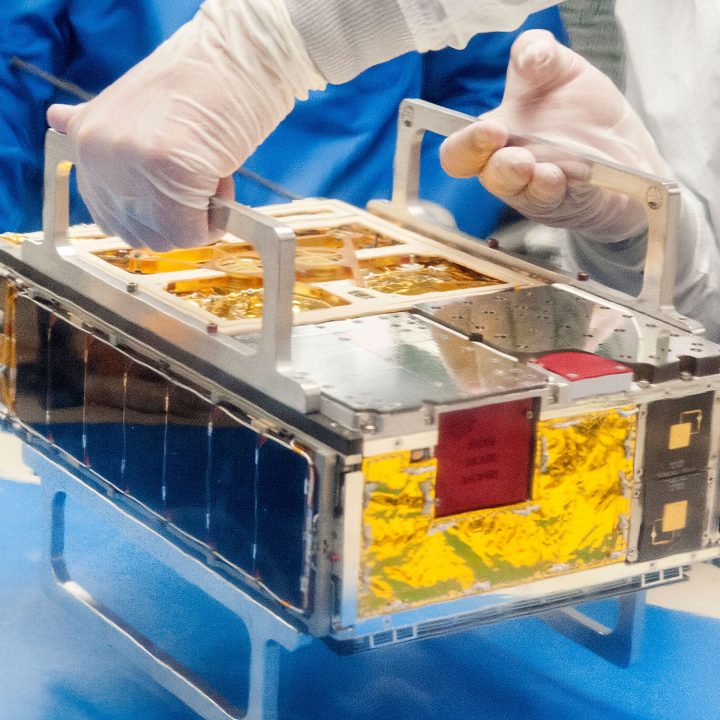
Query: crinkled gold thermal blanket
x,y
576,517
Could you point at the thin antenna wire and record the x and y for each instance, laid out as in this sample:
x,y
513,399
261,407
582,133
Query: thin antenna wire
x,y
69,87
78,92
268,184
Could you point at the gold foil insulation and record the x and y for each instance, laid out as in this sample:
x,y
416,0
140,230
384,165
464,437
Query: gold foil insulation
x,y
147,262
417,275
361,236
8,359
13,238
316,247
239,296
322,255
76,233
577,517
233,298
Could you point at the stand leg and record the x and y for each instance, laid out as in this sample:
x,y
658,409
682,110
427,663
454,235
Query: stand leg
x,y
618,645
270,636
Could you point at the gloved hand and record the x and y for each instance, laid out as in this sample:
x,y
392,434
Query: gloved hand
x,y
556,94
153,147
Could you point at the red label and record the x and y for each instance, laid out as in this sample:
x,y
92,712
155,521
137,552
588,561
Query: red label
x,y
484,457
581,365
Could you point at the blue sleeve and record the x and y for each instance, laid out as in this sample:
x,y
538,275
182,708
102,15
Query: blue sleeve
x,y
39,33
471,81
90,43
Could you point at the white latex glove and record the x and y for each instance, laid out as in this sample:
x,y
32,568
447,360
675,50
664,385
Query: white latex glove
x,y
556,94
153,147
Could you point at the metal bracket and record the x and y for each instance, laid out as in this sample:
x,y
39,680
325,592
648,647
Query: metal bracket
x,y
660,198
270,636
269,368
618,645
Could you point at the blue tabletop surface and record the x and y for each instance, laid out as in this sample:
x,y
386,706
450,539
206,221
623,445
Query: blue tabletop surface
x,y
51,667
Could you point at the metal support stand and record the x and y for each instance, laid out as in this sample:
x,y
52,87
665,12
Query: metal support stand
x,y
619,645
270,636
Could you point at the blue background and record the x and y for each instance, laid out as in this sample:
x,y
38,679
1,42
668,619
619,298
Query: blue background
x,y
51,667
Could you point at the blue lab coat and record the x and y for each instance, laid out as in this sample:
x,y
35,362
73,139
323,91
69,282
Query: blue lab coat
x,y
336,144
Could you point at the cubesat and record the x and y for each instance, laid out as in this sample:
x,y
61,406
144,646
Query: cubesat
x,y
374,426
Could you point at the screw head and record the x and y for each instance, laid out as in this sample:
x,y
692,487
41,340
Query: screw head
x,y
407,115
654,197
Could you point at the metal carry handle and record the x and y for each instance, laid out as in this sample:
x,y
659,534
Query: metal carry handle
x,y
660,198
274,241
269,368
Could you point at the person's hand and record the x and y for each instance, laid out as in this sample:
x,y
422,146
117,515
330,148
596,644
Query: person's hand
x,y
555,94
156,145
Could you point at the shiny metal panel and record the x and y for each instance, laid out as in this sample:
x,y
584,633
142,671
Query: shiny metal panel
x,y
531,322
397,362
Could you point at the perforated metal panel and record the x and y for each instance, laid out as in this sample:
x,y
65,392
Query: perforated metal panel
x,y
530,322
